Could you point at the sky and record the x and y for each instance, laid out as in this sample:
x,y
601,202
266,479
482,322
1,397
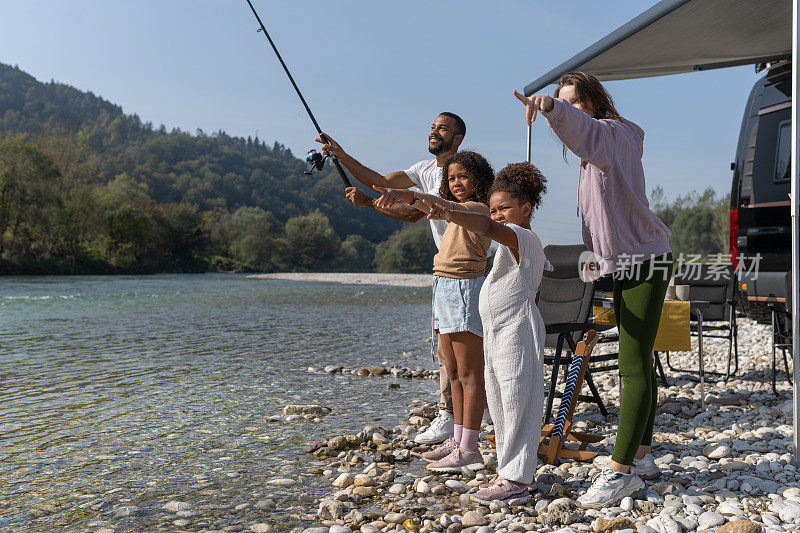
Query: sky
x,y
376,74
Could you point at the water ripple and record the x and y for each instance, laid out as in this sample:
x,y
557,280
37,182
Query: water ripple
x,y
125,390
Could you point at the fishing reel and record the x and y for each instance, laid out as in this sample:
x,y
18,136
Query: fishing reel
x,y
316,160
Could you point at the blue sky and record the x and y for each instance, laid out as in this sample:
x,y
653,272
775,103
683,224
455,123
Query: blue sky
x,y
376,74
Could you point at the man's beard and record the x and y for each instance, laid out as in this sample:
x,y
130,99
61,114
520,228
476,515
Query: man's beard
x,y
443,147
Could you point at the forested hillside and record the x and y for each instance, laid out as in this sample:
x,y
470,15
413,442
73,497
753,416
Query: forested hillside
x,y
86,188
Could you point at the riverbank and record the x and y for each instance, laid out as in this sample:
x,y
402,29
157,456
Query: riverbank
x,y
726,468
349,278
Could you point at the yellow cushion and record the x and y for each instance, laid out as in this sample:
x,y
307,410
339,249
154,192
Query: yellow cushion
x,y
673,330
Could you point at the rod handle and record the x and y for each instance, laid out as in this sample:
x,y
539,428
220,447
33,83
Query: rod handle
x,y
324,138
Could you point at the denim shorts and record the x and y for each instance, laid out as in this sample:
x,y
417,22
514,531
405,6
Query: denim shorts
x,y
455,305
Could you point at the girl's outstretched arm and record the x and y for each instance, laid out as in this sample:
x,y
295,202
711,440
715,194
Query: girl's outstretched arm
x,y
414,198
476,223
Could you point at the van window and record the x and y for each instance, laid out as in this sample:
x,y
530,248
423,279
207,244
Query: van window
x,y
783,159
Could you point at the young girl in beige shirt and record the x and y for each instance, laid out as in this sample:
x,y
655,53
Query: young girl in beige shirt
x,y
459,270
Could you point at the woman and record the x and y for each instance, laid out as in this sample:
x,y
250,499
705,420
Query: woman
x,y
630,242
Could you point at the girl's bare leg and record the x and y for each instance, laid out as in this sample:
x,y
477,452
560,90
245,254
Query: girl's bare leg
x,y
467,349
450,363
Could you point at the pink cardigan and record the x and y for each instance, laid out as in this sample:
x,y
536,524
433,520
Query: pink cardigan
x,y
617,223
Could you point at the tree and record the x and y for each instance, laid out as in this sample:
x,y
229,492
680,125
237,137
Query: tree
x,y
311,243
699,223
409,250
29,194
357,255
182,238
255,238
129,225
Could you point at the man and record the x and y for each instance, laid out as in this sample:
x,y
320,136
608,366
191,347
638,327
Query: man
x,y
447,133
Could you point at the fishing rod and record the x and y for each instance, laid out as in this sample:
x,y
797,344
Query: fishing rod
x,y
316,160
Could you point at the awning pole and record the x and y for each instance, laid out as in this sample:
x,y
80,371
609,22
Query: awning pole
x,y
528,146
795,236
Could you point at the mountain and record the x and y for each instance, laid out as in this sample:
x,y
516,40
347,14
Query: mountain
x,y
211,171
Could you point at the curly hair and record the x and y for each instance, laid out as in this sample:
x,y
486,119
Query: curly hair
x,y
522,181
479,170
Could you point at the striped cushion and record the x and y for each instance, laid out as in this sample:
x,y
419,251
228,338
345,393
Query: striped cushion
x,y
566,397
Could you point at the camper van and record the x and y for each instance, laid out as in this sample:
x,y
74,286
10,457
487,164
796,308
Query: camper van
x,y
760,215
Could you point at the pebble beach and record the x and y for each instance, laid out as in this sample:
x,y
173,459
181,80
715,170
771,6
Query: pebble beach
x,y
727,467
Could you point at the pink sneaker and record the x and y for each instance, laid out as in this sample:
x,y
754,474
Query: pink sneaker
x,y
457,459
491,483
502,490
440,452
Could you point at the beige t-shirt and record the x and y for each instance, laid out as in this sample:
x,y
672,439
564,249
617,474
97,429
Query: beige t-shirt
x,y
462,253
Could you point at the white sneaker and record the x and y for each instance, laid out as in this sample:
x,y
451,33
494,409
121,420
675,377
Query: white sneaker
x,y
645,467
440,430
609,487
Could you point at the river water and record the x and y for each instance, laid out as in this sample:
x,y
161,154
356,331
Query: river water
x,y
127,392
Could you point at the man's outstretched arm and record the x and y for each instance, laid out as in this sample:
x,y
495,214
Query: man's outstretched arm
x,y
367,176
400,211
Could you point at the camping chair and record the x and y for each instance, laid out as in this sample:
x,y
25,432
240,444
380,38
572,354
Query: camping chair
x,y
554,436
782,331
715,283
565,302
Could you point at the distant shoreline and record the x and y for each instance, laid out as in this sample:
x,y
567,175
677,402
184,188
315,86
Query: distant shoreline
x,y
350,278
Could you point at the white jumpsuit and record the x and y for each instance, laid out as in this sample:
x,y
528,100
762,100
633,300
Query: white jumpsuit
x,y
513,347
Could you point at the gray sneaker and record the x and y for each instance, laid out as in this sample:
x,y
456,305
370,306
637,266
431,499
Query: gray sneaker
x,y
609,487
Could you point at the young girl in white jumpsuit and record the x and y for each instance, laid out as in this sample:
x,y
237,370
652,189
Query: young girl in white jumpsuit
x,y
513,328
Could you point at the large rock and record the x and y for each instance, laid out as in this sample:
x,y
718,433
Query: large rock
x,y
337,443
457,486
560,504
710,519
343,481
474,518
716,450
668,524
395,518
330,509
303,410
262,528
175,506
365,492
397,488
604,525
740,526
363,480
789,514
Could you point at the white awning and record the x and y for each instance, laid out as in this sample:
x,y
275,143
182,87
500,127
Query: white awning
x,y
677,36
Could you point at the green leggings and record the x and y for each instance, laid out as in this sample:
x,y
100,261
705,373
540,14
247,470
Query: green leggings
x,y
638,298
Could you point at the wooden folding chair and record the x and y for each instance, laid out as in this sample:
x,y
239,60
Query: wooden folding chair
x,y
561,432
